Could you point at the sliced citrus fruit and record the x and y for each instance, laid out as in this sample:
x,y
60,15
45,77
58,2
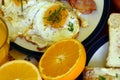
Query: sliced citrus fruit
x,y
3,32
4,42
64,60
4,54
19,70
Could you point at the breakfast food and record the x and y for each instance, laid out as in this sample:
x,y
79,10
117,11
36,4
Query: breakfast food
x,y
112,69
84,6
19,70
53,22
113,59
41,22
17,20
4,54
64,60
98,73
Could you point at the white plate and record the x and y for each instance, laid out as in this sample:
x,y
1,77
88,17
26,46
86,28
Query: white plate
x,y
99,57
98,52
96,21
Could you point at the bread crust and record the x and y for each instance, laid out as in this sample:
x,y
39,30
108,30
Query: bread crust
x,y
113,58
99,73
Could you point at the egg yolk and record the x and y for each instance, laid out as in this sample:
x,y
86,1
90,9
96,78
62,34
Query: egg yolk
x,y
55,16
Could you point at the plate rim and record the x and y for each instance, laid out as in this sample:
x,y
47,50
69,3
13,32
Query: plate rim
x,y
100,42
100,25
88,40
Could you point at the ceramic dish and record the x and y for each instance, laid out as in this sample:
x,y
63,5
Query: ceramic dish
x,y
96,21
97,54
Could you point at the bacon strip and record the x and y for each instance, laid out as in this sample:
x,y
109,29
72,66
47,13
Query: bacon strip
x,y
84,6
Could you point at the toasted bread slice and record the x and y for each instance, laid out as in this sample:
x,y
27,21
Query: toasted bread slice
x,y
113,59
98,73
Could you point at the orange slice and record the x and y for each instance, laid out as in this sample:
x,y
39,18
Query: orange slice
x,y
19,70
64,60
3,32
4,42
4,54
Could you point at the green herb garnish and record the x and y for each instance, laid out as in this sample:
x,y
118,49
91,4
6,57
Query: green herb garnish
x,y
21,1
119,57
70,27
21,5
102,78
55,16
116,75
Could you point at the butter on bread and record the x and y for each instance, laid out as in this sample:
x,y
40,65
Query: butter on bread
x,y
113,58
98,73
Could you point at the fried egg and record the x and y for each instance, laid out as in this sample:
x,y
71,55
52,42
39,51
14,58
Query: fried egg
x,y
41,22
19,22
53,22
16,6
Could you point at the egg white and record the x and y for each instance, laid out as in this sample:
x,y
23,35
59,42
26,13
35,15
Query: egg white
x,y
10,8
54,34
30,23
19,22
48,34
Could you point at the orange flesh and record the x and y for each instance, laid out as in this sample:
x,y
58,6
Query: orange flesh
x,y
3,33
61,60
18,71
61,17
4,44
84,6
4,54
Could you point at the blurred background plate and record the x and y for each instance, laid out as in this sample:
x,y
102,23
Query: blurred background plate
x,y
96,20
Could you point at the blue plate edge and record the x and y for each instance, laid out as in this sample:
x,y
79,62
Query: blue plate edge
x,y
100,25
96,46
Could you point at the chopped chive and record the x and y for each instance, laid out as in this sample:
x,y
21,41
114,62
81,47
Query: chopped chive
x,y
21,1
116,75
70,27
54,16
21,6
102,78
